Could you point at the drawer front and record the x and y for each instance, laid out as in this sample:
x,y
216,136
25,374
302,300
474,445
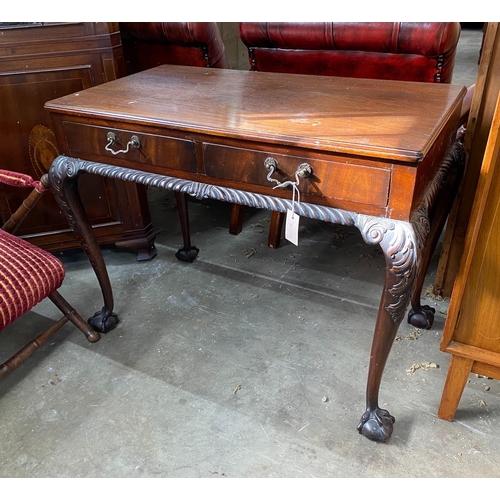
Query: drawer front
x,y
157,150
345,181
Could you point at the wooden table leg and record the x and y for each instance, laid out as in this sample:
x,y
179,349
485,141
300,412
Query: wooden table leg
x,y
188,252
457,376
407,248
275,229
437,205
398,242
236,219
63,180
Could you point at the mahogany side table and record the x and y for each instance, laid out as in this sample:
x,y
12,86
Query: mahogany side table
x,y
378,155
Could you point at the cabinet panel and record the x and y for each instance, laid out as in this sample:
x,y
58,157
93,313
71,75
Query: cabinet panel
x,y
472,329
38,64
480,325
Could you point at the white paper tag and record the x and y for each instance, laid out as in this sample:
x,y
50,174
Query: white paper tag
x,y
292,227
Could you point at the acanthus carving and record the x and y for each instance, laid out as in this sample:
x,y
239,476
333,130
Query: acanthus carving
x,y
421,217
63,179
397,240
63,168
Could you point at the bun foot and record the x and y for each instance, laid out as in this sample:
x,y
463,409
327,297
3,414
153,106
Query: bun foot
x,y
423,318
187,254
376,425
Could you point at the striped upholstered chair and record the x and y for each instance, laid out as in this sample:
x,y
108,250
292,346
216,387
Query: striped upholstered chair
x,y
29,274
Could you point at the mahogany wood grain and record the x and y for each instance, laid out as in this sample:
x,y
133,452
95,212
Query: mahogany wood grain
x,y
389,128
396,120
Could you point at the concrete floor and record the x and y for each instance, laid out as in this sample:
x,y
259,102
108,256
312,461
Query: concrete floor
x,y
290,328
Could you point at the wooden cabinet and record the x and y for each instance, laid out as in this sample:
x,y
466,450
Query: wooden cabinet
x,y
482,108
472,330
40,62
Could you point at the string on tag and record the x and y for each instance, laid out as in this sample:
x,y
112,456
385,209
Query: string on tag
x,y
293,219
295,189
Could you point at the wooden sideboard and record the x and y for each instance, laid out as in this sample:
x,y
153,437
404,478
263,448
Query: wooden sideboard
x,y
40,62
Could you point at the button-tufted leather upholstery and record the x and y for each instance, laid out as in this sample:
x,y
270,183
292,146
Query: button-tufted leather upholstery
x,y
146,45
422,52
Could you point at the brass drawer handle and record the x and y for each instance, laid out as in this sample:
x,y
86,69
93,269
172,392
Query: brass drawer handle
x,y
134,142
303,170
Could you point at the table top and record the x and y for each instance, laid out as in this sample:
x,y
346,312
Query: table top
x,y
377,118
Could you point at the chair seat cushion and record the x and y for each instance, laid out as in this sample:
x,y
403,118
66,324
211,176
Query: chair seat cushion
x,y
28,274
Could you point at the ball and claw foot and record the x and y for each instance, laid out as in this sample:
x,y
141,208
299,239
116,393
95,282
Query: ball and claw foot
x,y
103,322
187,254
376,425
423,318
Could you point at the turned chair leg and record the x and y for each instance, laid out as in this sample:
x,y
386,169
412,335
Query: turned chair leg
x,y
30,348
71,315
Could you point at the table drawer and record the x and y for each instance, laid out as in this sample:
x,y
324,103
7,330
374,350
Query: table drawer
x,y
150,149
330,179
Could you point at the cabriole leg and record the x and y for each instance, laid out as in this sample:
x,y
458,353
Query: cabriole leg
x,y
188,252
397,241
63,180
428,223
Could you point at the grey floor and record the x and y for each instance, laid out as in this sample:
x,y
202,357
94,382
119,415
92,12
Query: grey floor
x,y
248,363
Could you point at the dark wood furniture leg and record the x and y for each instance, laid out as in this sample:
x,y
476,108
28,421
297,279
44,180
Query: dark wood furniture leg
x,y
457,376
407,249
437,205
275,229
63,181
135,198
236,220
401,242
398,242
188,252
